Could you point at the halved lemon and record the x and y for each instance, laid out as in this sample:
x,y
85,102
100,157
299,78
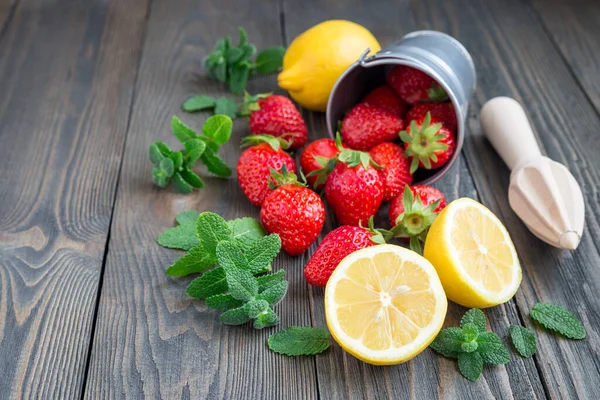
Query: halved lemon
x,y
384,304
473,255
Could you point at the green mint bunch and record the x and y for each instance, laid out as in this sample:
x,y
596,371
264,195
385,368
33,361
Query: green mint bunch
x,y
471,345
176,166
233,65
233,257
221,105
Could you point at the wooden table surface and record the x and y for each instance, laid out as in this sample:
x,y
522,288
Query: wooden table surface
x,y
86,309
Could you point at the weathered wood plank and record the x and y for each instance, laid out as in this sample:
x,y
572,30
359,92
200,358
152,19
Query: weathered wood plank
x,y
151,339
575,27
7,8
67,73
427,376
515,57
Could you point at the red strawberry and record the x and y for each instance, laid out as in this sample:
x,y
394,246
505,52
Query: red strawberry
x,y
385,98
334,247
396,168
317,156
294,212
428,143
443,111
354,189
412,213
366,126
253,167
414,86
276,116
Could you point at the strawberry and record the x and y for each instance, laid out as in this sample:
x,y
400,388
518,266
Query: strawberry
x,y
443,111
354,189
412,213
316,157
253,167
414,86
428,143
294,212
365,126
335,246
396,168
385,98
276,116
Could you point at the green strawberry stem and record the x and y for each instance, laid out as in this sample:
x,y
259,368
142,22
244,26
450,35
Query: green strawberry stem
x,y
251,103
437,93
285,178
275,142
415,221
423,143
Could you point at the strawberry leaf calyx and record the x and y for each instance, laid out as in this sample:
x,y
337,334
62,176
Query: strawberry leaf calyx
x,y
327,165
416,219
251,103
379,236
354,158
275,142
423,142
436,92
284,177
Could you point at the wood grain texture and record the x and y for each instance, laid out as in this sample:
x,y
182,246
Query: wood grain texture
x,y
515,57
67,71
574,26
7,9
151,339
428,376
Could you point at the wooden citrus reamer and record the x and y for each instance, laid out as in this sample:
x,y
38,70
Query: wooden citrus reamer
x,y
542,192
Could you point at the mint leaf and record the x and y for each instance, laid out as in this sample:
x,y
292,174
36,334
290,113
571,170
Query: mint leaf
x,y
167,166
470,365
491,349
243,314
155,155
246,231
241,282
197,260
226,106
180,184
211,283
198,103
470,332
159,177
218,128
183,236
263,252
270,60
233,55
211,229
448,342
275,293
163,148
468,347
215,164
194,149
267,281
299,340
474,316
238,77
177,158
524,340
558,319
223,302
181,131
265,319
190,177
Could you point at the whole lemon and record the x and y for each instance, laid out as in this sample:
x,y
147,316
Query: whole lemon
x,y
316,59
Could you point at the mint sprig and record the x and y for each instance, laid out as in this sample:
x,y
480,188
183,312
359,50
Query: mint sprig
x,y
176,166
234,65
471,345
558,319
182,236
299,340
524,340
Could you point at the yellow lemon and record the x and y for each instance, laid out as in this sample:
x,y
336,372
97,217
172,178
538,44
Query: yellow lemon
x,y
384,304
315,60
473,255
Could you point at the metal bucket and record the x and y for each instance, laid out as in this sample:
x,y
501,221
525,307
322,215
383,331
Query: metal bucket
x,y
437,54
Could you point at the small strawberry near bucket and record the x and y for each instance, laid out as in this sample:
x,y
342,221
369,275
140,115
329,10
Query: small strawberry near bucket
x,y
436,54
